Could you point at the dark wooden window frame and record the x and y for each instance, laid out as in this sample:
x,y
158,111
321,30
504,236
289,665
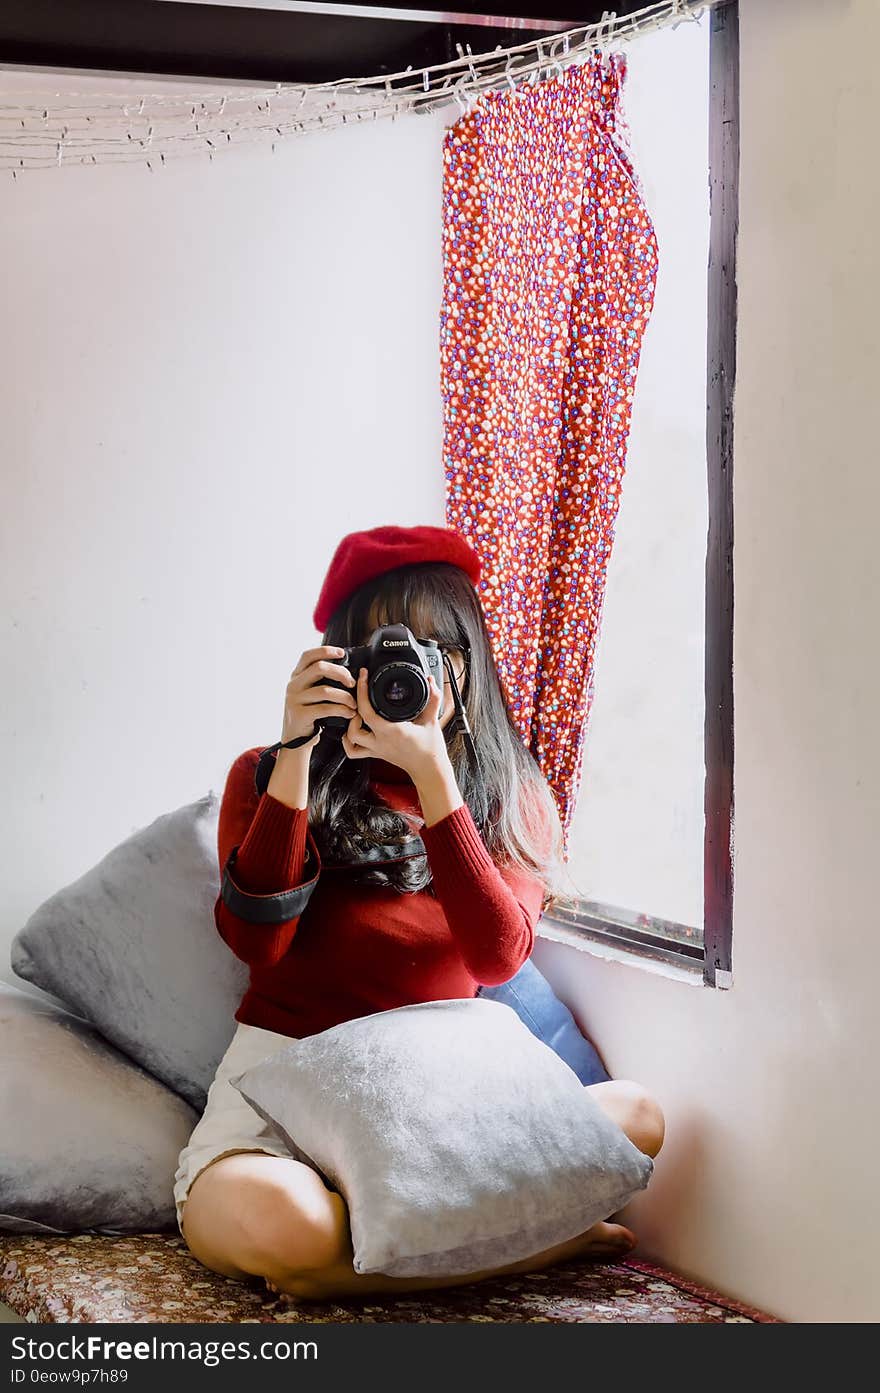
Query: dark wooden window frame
x,y
142,36
644,934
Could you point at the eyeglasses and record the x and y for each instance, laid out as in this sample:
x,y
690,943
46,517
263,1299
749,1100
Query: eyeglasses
x,y
461,668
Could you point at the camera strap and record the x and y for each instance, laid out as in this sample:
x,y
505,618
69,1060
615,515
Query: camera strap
x,y
459,724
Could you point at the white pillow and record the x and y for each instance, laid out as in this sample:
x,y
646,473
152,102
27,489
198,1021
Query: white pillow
x,y
132,945
90,1141
458,1140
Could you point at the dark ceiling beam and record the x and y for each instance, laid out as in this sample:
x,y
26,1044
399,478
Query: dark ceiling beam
x,y
564,12
228,41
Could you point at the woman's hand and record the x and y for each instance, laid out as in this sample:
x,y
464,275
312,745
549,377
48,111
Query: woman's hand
x,y
414,746
307,697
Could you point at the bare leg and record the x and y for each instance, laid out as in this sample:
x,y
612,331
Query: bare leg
x,y
635,1112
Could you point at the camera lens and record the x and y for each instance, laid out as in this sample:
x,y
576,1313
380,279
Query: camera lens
x,y
400,692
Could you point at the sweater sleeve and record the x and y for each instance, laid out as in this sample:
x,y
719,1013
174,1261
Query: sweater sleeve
x,y
491,911
275,853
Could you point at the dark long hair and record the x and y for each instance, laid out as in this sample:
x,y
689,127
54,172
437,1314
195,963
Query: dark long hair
x,y
436,600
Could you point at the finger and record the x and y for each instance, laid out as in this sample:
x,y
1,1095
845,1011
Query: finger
x,y
311,655
311,675
360,737
365,706
336,695
348,747
432,706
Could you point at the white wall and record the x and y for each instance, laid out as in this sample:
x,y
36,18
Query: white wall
x,y
210,373
766,1186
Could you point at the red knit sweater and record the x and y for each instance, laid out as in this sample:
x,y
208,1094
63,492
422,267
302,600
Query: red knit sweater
x,y
356,950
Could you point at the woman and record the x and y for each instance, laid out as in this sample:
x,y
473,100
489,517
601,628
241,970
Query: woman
x,y
330,936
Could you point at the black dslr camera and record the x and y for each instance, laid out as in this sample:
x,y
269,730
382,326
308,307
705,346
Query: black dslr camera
x,y
398,666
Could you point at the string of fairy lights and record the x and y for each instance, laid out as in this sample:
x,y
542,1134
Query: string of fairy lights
x,y
40,130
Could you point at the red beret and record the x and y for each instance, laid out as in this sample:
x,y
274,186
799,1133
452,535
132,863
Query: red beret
x,y
362,555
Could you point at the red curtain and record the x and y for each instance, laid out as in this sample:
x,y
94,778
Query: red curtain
x,y
550,263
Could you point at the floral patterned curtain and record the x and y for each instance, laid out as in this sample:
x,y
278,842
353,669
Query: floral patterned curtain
x,y
550,263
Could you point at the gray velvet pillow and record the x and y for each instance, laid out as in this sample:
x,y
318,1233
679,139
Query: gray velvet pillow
x,y
458,1140
132,945
90,1141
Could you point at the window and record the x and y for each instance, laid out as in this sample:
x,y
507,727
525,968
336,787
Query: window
x,y
650,841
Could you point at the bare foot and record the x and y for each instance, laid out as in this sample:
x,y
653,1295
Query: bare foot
x,y
604,1240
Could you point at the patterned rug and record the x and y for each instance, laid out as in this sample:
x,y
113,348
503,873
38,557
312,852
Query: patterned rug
x,y
88,1278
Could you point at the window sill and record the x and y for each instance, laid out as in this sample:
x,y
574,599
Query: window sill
x,y
558,932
